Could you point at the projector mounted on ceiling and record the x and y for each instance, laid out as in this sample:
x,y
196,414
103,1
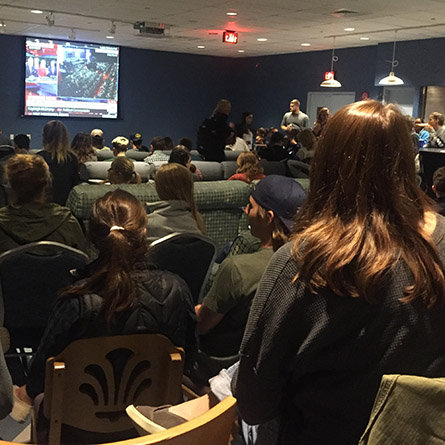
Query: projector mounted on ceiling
x,y
148,29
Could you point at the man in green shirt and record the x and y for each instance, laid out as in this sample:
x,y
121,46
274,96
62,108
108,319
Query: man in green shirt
x,y
222,316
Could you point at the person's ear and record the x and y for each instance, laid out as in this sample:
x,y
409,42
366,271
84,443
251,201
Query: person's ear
x,y
270,216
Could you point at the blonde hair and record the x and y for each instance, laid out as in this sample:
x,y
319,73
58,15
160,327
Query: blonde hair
x,y
124,169
175,182
56,141
28,176
248,163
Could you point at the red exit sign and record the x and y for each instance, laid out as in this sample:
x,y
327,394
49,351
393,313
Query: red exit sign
x,y
230,37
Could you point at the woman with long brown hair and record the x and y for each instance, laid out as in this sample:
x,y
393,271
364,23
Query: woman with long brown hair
x,y
121,293
61,161
177,212
358,293
82,147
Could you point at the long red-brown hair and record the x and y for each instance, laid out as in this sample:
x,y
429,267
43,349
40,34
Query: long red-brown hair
x,y
365,211
117,229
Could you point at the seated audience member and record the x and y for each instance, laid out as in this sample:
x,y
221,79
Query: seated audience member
x,y
235,143
358,293
276,150
322,119
248,169
21,144
180,155
439,188
307,141
122,171
136,142
168,143
260,137
177,211
28,218
120,146
82,147
62,162
223,313
187,143
157,155
419,128
97,136
437,128
120,293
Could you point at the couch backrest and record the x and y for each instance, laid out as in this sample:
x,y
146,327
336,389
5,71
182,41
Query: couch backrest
x,y
219,202
99,170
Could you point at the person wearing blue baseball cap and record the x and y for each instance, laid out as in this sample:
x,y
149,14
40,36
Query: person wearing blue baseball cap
x,y
223,313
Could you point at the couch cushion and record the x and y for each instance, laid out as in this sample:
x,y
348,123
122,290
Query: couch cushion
x,y
99,170
219,202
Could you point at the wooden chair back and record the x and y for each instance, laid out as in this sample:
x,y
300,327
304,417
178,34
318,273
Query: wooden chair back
x,y
89,385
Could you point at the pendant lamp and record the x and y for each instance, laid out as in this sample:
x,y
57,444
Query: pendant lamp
x,y
331,82
392,79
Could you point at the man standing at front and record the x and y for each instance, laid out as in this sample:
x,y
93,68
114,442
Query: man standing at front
x,y
294,119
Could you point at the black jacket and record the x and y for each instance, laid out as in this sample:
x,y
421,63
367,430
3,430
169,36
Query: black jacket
x,y
212,137
163,305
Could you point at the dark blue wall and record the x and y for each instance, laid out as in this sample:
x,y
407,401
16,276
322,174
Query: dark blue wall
x,y
165,93
160,93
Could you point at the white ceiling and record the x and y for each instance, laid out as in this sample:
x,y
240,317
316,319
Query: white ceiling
x,y
189,23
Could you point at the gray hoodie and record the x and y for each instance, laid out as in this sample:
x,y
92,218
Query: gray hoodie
x,y
33,222
166,217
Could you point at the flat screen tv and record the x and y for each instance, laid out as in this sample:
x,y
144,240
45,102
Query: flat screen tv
x,y
71,79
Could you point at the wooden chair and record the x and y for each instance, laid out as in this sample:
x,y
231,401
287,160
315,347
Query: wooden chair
x,y
207,424
89,385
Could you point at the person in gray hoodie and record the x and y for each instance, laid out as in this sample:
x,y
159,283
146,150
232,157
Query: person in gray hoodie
x,y
28,218
177,211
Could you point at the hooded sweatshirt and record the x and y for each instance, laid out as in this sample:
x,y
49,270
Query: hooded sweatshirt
x,y
166,217
34,222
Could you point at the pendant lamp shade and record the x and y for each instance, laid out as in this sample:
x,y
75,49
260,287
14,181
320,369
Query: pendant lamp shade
x,y
331,82
392,79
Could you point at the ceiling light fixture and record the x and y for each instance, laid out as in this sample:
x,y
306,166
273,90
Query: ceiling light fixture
x,y
349,29
305,44
262,39
392,79
200,46
232,13
330,81
112,29
110,37
364,38
241,51
36,11
2,27
50,18
73,35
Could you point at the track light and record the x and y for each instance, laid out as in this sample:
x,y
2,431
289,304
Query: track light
x,y
112,29
2,27
72,36
50,18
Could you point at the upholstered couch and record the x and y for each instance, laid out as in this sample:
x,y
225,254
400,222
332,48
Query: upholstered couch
x,y
99,170
219,202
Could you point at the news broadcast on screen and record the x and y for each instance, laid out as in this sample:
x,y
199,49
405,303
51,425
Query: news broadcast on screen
x,y
71,79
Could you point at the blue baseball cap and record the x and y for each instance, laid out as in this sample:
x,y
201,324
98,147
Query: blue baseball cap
x,y
284,196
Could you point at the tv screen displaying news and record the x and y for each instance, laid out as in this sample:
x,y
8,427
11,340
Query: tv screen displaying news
x,y
71,79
